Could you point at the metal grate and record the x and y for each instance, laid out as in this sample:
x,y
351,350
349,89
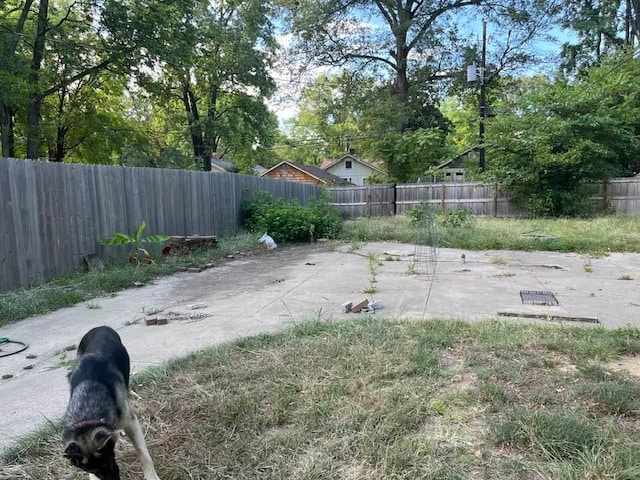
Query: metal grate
x,y
538,297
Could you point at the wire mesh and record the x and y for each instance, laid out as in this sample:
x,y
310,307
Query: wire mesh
x,y
426,246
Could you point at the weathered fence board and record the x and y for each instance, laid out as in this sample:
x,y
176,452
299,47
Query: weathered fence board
x,y
622,195
370,201
52,215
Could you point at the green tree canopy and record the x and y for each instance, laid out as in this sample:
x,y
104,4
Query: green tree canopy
x,y
218,68
407,43
561,136
603,27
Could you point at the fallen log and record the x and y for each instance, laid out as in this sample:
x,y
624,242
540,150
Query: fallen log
x,y
178,244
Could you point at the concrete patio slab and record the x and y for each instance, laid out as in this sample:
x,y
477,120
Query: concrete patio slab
x,y
255,294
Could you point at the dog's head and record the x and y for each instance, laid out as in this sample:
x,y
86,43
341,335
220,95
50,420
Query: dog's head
x,y
92,451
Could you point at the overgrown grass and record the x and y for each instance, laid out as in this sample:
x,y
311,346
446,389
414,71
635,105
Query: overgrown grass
x,y
372,399
597,236
82,286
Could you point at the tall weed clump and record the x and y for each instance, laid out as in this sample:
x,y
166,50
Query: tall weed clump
x,y
288,221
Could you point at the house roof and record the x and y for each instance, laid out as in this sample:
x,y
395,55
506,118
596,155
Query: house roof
x,y
326,162
457,161
313,171
220,165
326,165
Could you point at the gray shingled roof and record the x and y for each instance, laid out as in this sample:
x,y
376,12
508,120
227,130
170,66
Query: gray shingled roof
x,y
321,174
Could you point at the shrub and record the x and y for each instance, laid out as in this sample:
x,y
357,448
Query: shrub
x,y
288,221
458,218
420,212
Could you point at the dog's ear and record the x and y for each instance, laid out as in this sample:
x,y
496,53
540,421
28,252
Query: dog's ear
x,y
101,437
72,451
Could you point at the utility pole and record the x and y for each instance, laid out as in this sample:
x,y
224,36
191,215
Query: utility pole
x,y
483,94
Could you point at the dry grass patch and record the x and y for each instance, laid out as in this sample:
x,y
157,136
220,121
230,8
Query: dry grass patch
x,y
627,365
373,399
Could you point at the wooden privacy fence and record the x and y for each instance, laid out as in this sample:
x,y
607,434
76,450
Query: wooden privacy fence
x,y
479,198
53,215
379,200
622,195
369,201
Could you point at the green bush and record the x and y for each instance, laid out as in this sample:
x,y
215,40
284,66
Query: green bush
x,y
288,221
458,218
420,212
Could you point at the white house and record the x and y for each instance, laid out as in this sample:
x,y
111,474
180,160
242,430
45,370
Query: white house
x,y
352,169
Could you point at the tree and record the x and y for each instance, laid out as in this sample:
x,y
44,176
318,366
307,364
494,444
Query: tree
x,y
462,112
560,137
409,156
351,113
603,27
332,119
13,69
86,119
329,111
409,39
217,67
91,37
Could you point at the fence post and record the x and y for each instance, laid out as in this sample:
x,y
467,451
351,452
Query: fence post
x,y
368,201
394,205
495,199
605,191
442,205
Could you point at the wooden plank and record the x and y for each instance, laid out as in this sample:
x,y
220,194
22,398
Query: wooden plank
x,y
9,268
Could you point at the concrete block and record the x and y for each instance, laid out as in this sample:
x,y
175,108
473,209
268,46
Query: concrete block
x,y
377,305
346,307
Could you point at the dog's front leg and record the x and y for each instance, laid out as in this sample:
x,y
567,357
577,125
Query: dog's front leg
x,y
93,477
134,432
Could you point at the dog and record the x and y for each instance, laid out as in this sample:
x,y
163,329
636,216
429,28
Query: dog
x,y
99,407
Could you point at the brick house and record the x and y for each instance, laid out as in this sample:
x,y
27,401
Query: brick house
x,y
299,172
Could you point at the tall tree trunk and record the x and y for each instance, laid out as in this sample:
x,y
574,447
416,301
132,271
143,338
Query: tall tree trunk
x,y
7,136
35,97
210,137
193,118
402,83
7,112
61,132
635,22
60,151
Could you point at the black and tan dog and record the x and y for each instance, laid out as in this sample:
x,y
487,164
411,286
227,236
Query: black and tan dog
x,y
99,408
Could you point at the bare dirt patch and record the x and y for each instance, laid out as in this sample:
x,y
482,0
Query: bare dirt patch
x,y
629,365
